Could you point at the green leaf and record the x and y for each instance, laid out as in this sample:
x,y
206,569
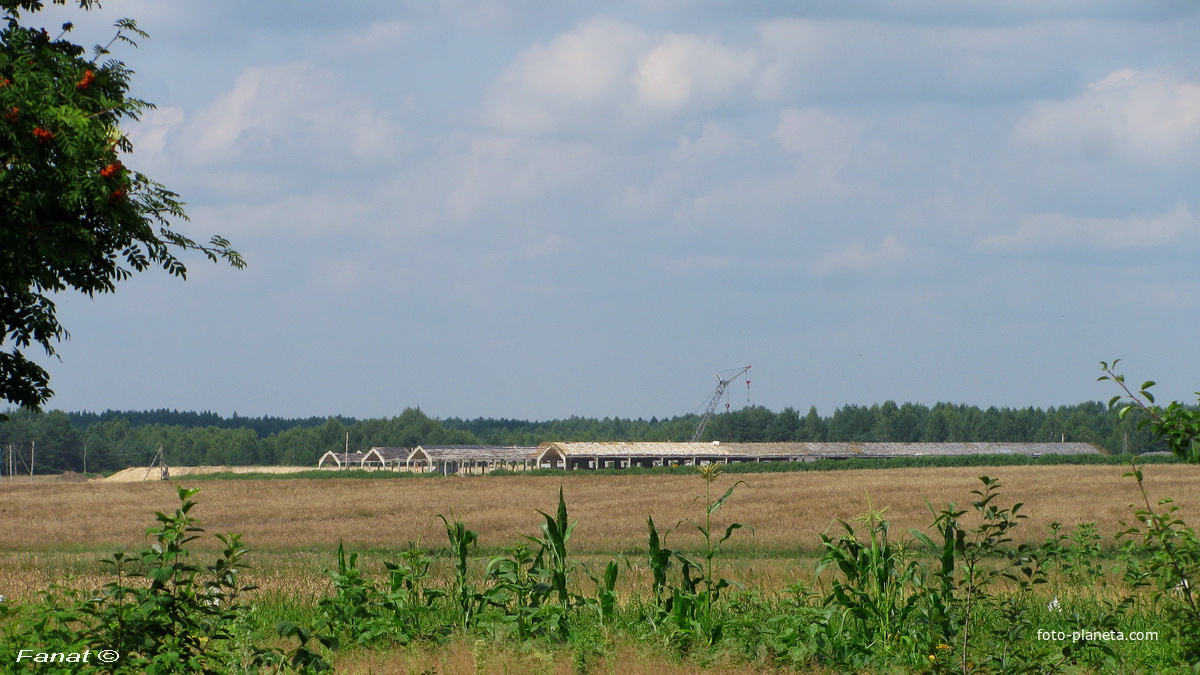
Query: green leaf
x,y
717,504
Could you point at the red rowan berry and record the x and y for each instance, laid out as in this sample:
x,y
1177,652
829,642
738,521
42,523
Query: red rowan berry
x,y
88,78
112,169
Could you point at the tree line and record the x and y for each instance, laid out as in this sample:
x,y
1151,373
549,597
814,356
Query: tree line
x,y
98,442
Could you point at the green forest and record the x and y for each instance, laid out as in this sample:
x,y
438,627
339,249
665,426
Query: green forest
x,y
99,442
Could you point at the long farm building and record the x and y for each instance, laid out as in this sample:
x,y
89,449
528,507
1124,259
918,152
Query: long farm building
x,y
572,456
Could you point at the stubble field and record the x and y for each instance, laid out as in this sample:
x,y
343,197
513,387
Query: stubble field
x,y
787,510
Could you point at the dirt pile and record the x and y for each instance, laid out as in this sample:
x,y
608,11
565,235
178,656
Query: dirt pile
x,y
137,474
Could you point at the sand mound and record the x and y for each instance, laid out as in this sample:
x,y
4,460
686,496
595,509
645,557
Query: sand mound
x,y
136,474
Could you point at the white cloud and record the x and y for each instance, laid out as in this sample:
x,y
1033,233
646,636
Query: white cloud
x,y
714,142
691,164
867,59
149,134
606,72
821,142
683,70
1058,231
495,172
793,47
549,84
1150,115
375,36
294,110
301,216
857,260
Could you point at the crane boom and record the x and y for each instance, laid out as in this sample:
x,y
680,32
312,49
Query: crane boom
x,y
722,385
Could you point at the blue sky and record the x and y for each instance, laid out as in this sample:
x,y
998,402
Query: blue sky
x,y
536,210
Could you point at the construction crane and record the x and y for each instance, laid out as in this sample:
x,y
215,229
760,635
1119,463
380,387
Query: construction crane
x,y
722,385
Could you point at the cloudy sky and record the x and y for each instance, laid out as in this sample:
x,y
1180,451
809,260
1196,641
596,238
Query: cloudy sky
x,y
535,210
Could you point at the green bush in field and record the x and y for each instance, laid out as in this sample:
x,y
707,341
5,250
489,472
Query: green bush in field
x,y
162,613
1171,563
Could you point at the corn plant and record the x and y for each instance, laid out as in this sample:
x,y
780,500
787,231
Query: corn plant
x,y
408,598
660,558
711,629
690,607
605,601
462,543
366,613
356,608
515,589
877,582
801,630
938,611
552,564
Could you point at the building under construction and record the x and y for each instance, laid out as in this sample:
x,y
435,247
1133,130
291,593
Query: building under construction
x,y
573,456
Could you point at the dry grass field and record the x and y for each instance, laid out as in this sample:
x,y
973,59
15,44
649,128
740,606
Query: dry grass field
x,y
787,510
55,531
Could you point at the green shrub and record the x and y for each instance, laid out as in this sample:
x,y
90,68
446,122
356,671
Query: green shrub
x,y
162,613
